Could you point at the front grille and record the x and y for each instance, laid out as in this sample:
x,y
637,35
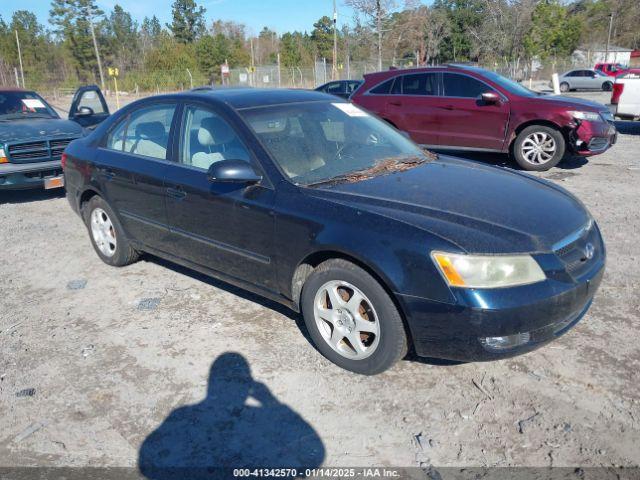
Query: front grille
x,y
38,151
580,252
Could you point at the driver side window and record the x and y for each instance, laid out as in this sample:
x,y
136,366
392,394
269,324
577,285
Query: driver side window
x,y
207,138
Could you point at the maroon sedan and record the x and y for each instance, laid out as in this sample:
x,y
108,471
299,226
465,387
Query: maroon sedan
x,y
469,108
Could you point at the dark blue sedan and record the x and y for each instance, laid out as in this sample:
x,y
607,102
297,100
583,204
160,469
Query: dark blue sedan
x,y
313,202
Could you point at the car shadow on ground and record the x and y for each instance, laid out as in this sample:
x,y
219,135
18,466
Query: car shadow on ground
x,y
31,195
503,160
627,127
239,424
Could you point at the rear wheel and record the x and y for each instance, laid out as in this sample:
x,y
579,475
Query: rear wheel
x,y
538,148
564,87
107,235
351,319
607,86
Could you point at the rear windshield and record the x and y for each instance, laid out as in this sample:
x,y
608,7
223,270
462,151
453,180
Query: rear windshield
x,y
15,105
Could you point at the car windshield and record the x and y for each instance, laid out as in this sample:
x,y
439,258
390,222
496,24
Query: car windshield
x,y
15,105
320,142
509,85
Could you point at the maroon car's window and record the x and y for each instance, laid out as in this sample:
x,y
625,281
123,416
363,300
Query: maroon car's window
x,y
384,88
463,86
420,84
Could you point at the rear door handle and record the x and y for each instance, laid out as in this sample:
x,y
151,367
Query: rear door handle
x,y
447,107
396,103
177,193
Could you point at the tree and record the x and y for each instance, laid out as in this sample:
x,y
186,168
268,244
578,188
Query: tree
x,y
188,21
377,11
123,38
322,37
553,33
72,23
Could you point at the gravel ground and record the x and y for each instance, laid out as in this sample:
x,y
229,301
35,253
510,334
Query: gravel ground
x,y
94,361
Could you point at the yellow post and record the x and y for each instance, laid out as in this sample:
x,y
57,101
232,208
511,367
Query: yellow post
x,y
115,83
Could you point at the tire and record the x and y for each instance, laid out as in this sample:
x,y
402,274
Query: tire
x,y
525,153
107,235
607,86
564,87
382,341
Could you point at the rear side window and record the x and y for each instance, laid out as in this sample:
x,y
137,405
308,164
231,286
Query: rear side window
x,y
463,86
145,132
384,88
420,84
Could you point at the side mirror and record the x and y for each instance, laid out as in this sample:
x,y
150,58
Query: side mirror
x,y
84,112
490,98
232,171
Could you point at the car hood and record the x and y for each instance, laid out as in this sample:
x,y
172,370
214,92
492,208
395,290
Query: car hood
x,y
573,103
479,208
37,128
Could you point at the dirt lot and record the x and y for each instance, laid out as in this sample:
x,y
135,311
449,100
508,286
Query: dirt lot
x,y
112,353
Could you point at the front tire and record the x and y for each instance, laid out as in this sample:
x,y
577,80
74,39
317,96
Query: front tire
x,y
107,235
351,319
564,87
538,148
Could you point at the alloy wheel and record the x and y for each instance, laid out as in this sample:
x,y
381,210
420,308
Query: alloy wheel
x,y
538,148
103,232
346,320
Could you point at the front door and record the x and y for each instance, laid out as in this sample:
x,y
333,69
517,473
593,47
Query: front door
x,y
88,107
226,227
131,166
467,122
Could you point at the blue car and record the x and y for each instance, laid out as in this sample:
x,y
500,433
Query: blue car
x,y
33,136
312,202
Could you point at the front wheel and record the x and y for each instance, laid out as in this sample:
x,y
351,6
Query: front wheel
x,y
538,148
351,319
564,87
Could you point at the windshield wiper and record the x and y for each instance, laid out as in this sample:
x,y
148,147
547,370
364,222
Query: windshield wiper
x,y
385,166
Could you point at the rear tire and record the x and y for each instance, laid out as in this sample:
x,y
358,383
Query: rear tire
x,y
107,235
538,148
607,86
564,87
351,319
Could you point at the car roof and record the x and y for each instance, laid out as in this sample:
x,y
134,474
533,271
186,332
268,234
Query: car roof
x,y
14,89
239,98
453,67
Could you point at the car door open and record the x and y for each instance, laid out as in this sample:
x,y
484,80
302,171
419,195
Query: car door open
x,y
88,107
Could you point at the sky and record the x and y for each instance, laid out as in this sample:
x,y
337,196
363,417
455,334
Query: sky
x,y
279,15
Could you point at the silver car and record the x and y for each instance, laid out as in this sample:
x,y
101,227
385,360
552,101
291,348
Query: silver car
x,y
585,79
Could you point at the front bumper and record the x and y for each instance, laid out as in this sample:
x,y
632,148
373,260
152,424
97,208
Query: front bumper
x,y
15,176
539,313
592,138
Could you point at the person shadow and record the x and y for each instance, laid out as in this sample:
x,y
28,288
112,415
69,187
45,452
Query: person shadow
x,y
240,424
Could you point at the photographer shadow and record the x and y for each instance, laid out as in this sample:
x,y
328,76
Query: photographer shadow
x,y
239,424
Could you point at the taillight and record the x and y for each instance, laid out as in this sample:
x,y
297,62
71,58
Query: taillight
x,y
617,91
63,160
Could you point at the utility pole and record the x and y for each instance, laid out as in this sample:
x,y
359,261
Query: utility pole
x,y
334,68
606,55
95,46
20,58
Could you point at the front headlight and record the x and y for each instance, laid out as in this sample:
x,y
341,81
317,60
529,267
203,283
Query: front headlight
x,y
590,116
487,271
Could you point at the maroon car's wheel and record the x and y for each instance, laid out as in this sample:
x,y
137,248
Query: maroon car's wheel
x,y
538,148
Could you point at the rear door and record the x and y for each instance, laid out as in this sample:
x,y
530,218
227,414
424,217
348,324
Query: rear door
x,y
414,105
88,107
465,120
131,165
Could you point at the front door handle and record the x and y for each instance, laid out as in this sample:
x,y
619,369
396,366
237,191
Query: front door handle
x,y
447,107
396,103
177,193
